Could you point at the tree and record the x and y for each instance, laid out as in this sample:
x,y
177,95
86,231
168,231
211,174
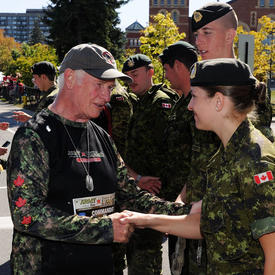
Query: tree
x,y
156,37
264,52
27,56
36,35
73,22
7,45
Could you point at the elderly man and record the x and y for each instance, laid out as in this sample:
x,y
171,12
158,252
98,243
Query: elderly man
x,y
66,179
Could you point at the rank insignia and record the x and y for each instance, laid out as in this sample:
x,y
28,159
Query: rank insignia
x,y
197,16
263,177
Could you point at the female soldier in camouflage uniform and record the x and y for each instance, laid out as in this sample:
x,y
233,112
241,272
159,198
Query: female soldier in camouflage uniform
x,y
238,209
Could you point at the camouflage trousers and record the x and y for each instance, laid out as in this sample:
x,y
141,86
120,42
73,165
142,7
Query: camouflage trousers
x,y
144,254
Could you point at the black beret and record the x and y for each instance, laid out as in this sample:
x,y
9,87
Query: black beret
x,y
136,61
208,13
221,72
43,67
180,50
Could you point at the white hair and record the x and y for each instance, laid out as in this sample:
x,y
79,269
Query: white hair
x,y
79,78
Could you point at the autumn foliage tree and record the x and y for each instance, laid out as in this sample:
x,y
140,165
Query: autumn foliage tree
x,y
7,45
156,37
264,52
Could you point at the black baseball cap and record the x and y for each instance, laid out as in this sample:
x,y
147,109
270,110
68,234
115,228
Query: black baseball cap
x,y
208,13
221,72
94,60
136,61
43,67
182,51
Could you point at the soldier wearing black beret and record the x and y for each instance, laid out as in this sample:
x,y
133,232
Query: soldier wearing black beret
x,y
214,26
44,77
237,210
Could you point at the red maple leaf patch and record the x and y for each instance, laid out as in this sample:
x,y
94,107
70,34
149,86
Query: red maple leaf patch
x,y
19,181
20,202
26,220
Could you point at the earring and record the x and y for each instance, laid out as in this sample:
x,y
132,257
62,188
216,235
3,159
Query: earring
x,y
217,108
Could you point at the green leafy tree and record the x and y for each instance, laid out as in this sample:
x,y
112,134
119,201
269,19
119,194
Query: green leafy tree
x,y
36,35
27,56
264,53
156,37
73,22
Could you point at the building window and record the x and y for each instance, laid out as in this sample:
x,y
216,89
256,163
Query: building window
x,y
271,3
182,2
162,2
175,2
155,2
253,19
169,2
175,16
262,3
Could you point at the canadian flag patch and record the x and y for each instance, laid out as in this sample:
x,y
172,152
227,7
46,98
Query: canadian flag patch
x,y
263,177
166,105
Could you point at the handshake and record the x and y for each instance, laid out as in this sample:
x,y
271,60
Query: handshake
x,y
187,226
122,227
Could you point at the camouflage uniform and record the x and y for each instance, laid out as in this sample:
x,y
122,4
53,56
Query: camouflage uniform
x,y
187,152
177,144
45,228
204,146
238,206
47,98
264,118
143,155
121,113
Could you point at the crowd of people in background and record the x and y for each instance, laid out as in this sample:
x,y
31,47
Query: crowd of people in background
x,y
101,171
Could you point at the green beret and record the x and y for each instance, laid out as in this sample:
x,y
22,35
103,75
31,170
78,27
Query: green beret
x,y
136,61
182,51
208,13
221,72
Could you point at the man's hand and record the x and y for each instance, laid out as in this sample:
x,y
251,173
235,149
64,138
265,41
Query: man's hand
x,y
21,116
4,125
122,232
150,184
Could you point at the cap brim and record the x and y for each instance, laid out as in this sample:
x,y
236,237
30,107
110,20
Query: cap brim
x,y
109,74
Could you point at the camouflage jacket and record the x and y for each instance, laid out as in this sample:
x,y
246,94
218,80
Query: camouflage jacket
x,y
121,113
239,203
144,141
177,144
39,225
47,98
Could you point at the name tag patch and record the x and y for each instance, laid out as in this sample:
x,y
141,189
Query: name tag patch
x,y
95,206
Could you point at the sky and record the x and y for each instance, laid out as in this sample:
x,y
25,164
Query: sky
x,y
129,13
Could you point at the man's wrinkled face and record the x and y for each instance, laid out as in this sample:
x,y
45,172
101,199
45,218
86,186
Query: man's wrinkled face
x,y
91,95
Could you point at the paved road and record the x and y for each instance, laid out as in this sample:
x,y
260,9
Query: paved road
x,y
5,220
